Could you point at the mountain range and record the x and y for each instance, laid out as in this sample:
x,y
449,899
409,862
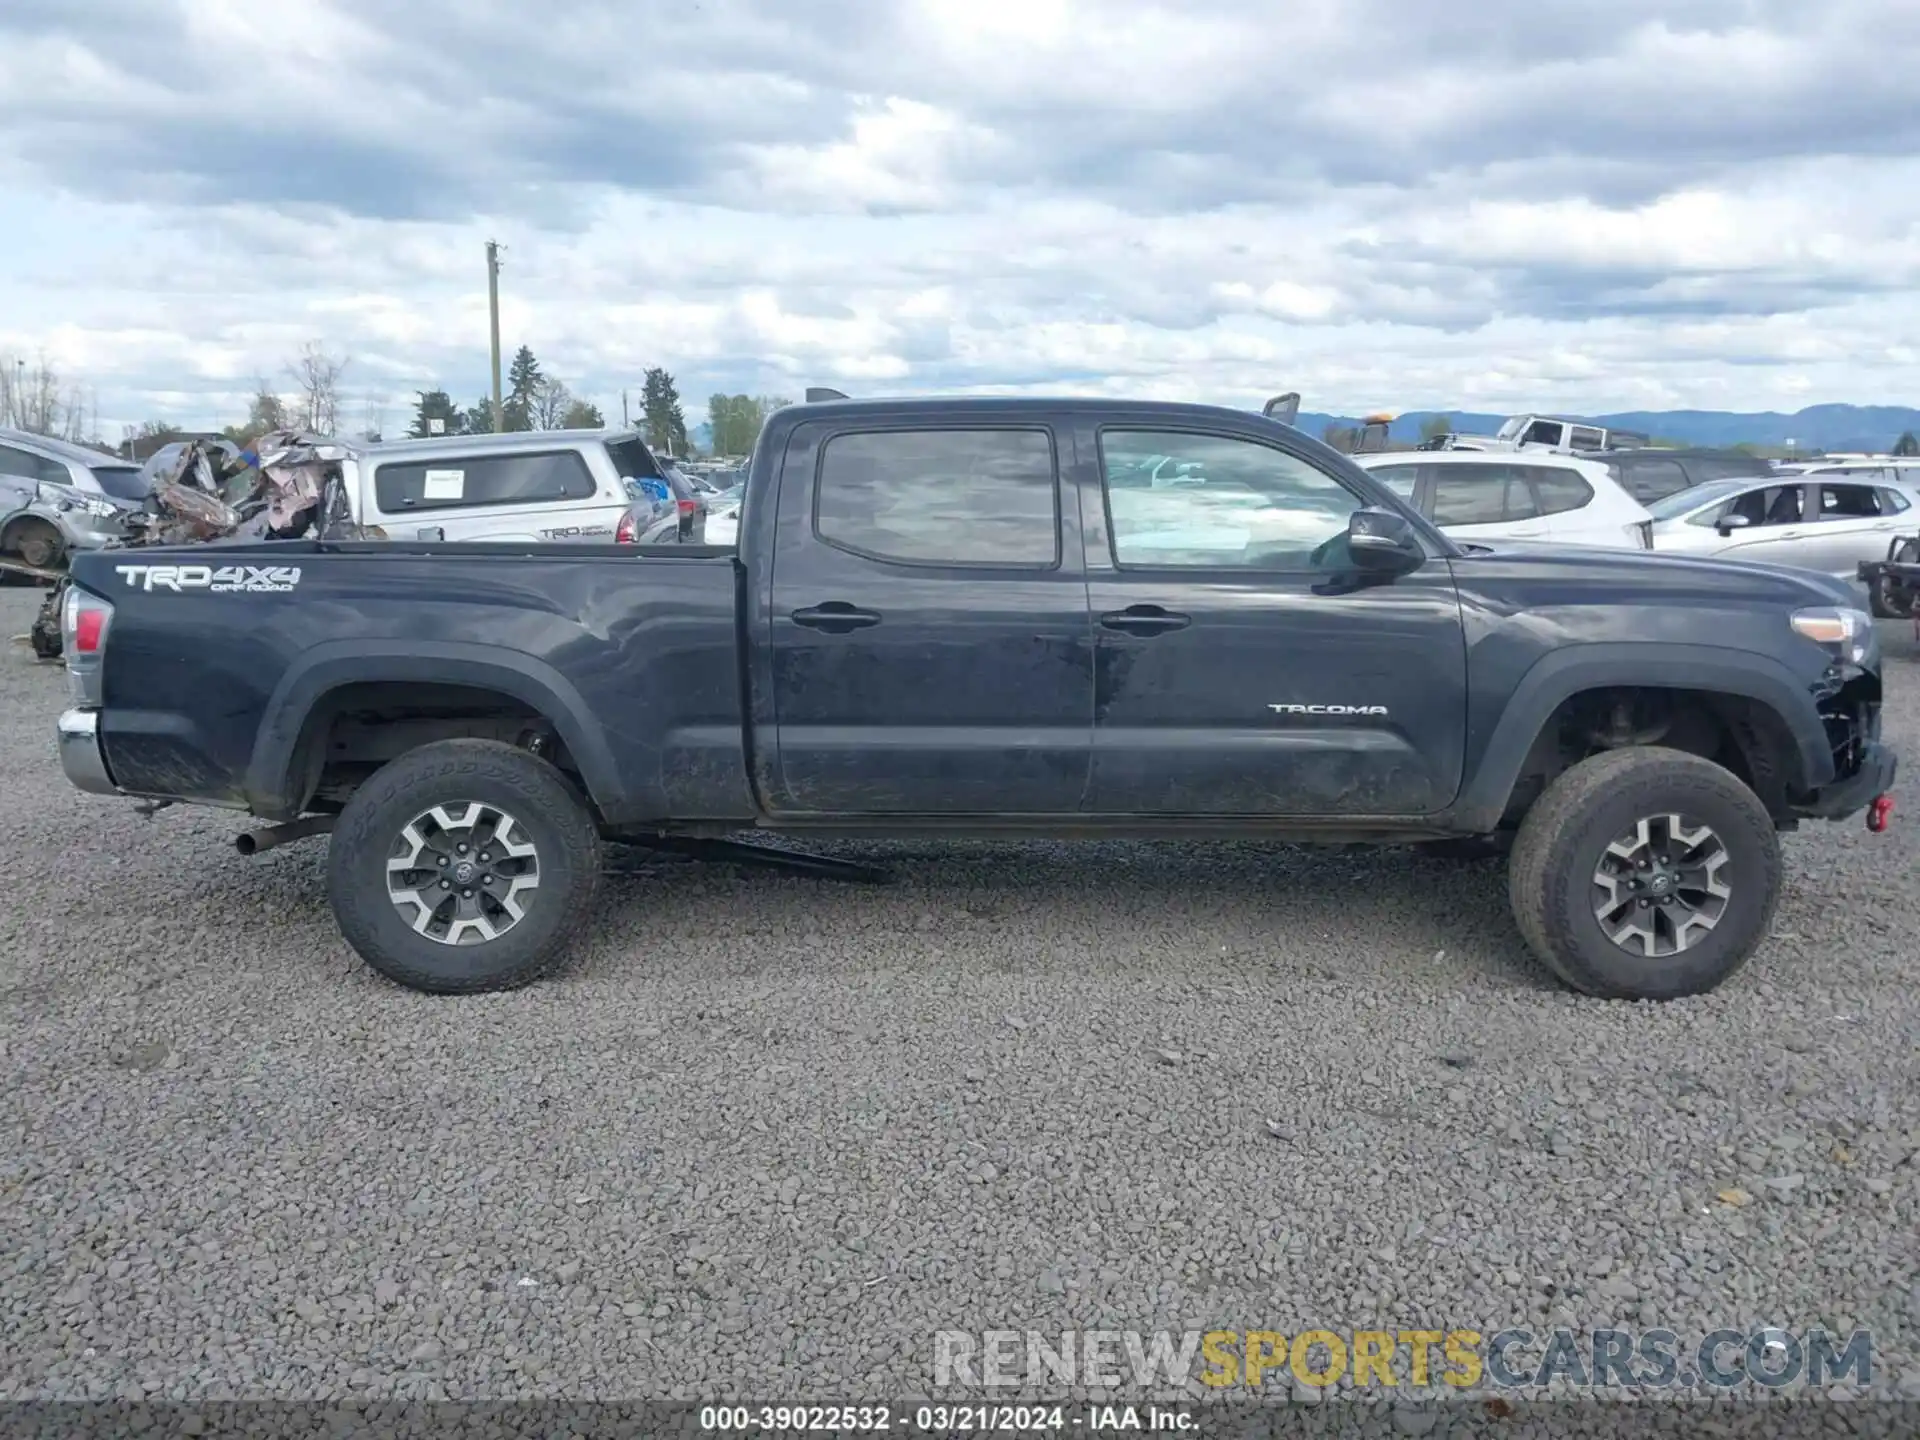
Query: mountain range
x,y
1875,428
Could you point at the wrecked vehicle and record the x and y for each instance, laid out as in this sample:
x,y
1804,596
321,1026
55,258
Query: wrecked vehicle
x,y
982,617
56,498
283,486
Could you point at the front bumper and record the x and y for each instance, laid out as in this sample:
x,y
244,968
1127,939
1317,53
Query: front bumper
x,y
80,754
1872,779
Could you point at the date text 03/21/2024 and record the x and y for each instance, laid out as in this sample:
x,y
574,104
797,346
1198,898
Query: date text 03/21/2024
x,y
948,1419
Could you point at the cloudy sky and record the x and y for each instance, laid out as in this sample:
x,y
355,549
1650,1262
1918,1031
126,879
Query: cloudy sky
x,y
1382,203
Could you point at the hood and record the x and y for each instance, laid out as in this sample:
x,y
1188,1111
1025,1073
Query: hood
x,y
1734,578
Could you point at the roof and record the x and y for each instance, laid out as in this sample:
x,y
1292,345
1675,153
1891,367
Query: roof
x,y
65,450
1540,458
1019,406
426,447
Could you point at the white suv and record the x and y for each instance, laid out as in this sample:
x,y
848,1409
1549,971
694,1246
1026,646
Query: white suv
x,y
1483,495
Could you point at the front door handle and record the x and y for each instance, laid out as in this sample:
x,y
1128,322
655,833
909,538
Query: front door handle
x,y
1144,620
836,617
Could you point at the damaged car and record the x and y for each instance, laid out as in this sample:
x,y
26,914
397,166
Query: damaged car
x,y
57,498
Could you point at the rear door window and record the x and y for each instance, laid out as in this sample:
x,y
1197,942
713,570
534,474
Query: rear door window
x,y
472,481
29,466
1481,494
985,498
1849,502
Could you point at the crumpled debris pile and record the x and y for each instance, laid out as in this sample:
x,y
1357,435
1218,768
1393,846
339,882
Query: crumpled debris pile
x,y
285,486
279,488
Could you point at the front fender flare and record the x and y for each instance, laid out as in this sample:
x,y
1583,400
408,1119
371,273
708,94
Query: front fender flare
x,y
1710,668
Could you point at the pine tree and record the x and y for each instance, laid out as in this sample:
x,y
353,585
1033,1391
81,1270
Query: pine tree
x,y
524,379
662,419
434,405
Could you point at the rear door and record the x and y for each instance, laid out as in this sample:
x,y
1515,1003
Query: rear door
x,y
1242,668
1855,522
1484,500
928,620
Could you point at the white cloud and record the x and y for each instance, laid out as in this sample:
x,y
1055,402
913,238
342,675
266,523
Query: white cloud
x,y
1380,203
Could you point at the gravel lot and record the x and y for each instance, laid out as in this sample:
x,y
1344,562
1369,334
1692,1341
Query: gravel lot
x,y
770,1134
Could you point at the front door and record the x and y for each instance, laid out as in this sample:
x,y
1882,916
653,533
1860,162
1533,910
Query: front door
x,y
928,620
1243,667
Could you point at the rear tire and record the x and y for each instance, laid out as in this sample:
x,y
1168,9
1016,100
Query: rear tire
x,y
1888,598
494,915
1683,927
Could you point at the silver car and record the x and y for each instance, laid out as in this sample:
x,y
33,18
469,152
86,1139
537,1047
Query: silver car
x,y
56,497
1811,522
526,486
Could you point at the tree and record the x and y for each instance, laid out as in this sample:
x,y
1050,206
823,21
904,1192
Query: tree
x,y
1907,444
551,401
317,372
434,405
524,379
140,441
478,418
581,415
1434,426
34,398
265,412
661,416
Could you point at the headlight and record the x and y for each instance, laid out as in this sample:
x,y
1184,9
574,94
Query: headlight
x,y
1847,633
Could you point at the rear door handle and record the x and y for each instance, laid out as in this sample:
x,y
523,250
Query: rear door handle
x,y
836,617
1144,620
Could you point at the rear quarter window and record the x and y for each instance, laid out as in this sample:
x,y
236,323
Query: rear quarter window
x,y
1560,490
478,480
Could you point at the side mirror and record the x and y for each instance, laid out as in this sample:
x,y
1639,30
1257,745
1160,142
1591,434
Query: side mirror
x,y
1730,523
1383,541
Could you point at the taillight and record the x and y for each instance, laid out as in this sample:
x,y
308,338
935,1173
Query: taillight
x,y
627,532
84,620
687,507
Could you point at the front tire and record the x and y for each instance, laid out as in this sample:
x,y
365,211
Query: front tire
x,y
37,544
463,866
1645,874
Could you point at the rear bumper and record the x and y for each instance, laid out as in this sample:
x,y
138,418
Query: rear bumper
x,y
1873,778
80,755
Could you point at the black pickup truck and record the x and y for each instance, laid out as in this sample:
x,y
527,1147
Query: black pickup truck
x,y
1011,618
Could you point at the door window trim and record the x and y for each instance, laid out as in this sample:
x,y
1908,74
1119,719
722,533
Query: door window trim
x,y
1023,567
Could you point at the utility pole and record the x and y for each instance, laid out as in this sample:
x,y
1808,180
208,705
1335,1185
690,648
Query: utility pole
x,y
626,420
493,321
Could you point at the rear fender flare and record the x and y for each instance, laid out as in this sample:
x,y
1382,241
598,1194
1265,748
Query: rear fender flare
x,y
1565,672
271,783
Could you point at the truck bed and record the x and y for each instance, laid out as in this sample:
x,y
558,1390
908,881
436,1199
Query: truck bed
x,y
633,651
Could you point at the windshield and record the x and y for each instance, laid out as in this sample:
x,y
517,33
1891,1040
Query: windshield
x,y
122,482
1681,501
1511,430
